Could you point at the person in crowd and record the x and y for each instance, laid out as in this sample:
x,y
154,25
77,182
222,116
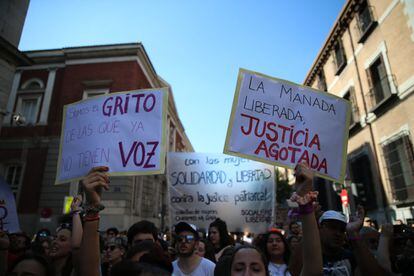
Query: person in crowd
x,y
19,244
295,229
110,233
219,237
293,242
138,250
310,249
205,249
114,251
31,264
336,259
274,246
371,238
131,268
188,262
61,250
142,231
248,260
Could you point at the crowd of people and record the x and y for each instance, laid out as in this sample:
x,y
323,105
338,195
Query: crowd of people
x,y
315,243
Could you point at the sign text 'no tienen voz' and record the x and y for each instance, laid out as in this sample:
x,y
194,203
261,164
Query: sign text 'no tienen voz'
x,y
205,186
282,123
125,131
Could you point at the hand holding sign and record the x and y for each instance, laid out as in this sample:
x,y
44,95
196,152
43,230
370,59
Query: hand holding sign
x,y
96,180
304,185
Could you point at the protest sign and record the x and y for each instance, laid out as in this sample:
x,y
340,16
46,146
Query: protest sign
x,y
125,131
203,187
282,123
8,215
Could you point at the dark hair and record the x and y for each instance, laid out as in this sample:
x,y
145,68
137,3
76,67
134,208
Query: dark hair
x,y
112,229
38,258
140,247
209,250
223,265
292,223
130,268
157,257
262,257
225,238
143,226
262,244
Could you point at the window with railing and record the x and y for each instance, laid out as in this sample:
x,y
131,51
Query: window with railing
x,y
340,57
378,79
366,23
321,81
350,96
399,158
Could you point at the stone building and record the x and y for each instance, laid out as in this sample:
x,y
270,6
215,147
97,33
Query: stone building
x,y
12,17
29,151
368,59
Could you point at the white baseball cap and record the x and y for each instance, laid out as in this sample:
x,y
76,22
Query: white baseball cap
x,y
333,215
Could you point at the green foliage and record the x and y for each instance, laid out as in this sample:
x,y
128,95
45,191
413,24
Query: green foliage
x,y
283,189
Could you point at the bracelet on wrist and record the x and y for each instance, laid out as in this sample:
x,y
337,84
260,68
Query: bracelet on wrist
x,y
306,209
93,209
91,217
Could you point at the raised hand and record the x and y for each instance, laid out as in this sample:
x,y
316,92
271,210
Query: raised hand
x,y
304,185
76,203
355,222
96,180
304,179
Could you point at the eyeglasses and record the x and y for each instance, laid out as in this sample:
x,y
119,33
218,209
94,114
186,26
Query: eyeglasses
x,y
186,238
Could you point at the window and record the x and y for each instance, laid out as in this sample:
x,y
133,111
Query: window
x,y
13,177
94,92
400,166
366,23
29,99
340,58
350,96
28,106
321,81
378,80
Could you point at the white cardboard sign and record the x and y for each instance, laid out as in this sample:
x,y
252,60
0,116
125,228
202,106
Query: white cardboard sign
x,y
125,131
203,187
282,123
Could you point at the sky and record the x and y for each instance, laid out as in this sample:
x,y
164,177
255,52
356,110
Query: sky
x,y
196,46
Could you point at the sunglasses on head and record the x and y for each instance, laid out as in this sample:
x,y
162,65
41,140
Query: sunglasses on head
x,y
186,238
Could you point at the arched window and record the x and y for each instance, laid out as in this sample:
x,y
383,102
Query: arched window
x,y
29,98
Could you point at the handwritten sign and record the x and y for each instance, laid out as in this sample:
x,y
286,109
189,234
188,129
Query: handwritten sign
x,y
125,131
203,187
8,214
282,123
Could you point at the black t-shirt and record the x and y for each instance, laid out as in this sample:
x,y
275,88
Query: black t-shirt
x,y
342,264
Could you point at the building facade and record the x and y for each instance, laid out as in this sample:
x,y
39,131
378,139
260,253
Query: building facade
x,y
368,59
12,17
29,149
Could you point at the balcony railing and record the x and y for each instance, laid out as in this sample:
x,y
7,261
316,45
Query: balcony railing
x,y
379,92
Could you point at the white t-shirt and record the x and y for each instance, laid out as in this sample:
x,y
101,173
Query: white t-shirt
x,y
204,268
278,269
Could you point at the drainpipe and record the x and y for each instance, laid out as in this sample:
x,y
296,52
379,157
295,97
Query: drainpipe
x,y
371,132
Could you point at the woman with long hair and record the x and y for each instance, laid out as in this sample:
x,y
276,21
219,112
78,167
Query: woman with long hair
x,y
219,237
276,250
